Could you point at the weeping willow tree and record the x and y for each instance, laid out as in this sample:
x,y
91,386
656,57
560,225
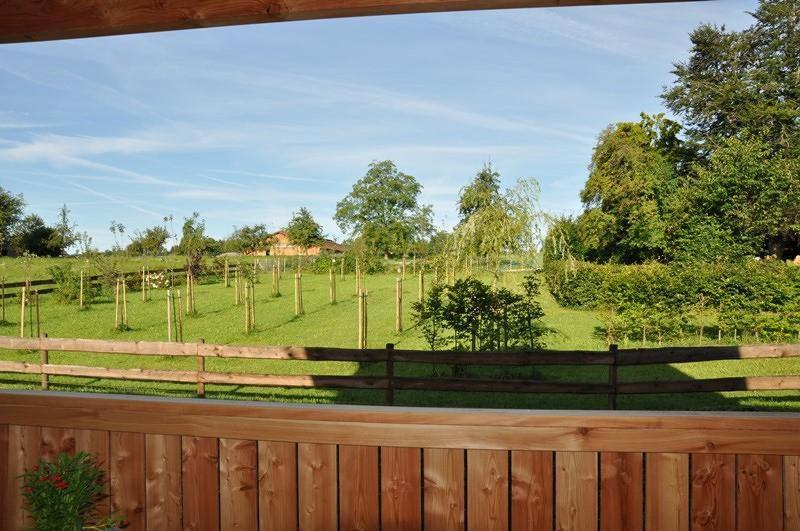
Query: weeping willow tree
x,y
494,222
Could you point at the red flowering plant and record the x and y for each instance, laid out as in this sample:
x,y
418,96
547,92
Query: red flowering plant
x,y
63,495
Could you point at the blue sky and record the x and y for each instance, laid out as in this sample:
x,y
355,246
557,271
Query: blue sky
x,y
247,124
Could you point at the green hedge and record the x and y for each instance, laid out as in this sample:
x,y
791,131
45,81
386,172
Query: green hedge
x,y
768,286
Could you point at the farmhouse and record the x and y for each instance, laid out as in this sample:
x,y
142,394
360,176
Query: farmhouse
x,y
281,246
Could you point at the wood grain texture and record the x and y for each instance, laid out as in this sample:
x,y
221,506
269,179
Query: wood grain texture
x,y
127,480
97,443
531,490
25,21
487,490
24,444
713,492
443,479
238,484
5,473
576,491
667,492
163,481
200,482
401,490
277,485
56,441
411,427
759,493
791,492
317,486
621,491
358,488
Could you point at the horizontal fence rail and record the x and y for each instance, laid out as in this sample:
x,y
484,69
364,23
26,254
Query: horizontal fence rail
x,y
208,465
389,382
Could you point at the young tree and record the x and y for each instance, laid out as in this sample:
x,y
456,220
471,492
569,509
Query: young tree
x,y
65,233
151,242
383,209
10,214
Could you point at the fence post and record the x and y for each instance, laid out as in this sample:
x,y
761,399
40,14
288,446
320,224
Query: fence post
x,y
389,374
201,368
44,359
612,377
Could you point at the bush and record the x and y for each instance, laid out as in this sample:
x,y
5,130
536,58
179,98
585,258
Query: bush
x,y
68,284
64,494
654,301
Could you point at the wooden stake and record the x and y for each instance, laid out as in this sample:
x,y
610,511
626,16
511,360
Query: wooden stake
x,y
421,286
30,309
80,298
341,268
414,264
188,292
38,318
124,304
360,320
332,287
398,307
404,267
253,307
144,286
116,305
3,299
179,322
246,307
169,315
22,312
236,288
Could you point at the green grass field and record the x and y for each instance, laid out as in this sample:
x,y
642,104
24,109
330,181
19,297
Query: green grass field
x,y
219,321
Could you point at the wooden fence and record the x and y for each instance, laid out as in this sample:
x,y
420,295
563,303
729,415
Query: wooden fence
x,y
390,382
206,465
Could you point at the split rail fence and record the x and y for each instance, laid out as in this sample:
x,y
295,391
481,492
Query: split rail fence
x,y
207,465
389,382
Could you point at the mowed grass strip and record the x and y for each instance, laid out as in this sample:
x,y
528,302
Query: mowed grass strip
x,y
334,325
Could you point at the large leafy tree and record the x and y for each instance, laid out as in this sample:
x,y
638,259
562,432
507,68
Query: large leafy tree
x,y
303,230
743,80
151,242
10,214
631,177
32,235
383,210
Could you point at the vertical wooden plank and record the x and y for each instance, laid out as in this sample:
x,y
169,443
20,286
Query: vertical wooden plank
x,y
531,490
24,443
667,498
622,491
200,479
760,492
127,478
401,492
97,443
317,487
163,481
791,492
5,472
57,441
444,489
238,484
576,491
277,485
487,490
358,488
713,492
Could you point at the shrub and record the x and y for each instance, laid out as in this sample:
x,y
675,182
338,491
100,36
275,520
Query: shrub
x,y
68,284
64,494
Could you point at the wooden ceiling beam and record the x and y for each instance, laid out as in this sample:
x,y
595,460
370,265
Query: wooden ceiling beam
x,y
40,20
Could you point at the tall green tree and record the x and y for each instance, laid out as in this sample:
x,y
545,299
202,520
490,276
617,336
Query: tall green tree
x,y
383,210
632,175
303,230
32,235
10,214
151,242
65,232
747,80
248,239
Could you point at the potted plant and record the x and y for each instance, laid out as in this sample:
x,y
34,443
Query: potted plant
x,y
63,495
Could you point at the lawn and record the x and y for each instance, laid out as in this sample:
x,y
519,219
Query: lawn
x,y
324,324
